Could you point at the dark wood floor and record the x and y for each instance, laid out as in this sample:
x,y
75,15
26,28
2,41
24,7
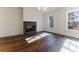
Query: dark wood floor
x,y
50,43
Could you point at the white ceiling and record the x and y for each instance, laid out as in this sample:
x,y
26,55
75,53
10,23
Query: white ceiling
x,y
49,9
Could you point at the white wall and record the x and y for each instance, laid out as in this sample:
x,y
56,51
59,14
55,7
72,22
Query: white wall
x,y
33,14
60,22
10,21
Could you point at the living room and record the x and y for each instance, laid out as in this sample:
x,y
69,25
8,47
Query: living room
x,y
37,27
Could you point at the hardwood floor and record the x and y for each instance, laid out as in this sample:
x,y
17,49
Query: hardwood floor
x,y
50,43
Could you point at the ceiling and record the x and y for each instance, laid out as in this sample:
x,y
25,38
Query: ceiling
x,y
49,9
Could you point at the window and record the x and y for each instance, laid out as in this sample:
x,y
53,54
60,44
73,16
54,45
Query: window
x,y
73,19
51,21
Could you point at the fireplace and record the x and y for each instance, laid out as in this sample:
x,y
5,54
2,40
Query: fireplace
x,y
29,28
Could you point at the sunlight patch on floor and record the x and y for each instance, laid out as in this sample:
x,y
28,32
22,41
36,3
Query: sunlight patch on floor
x,y
37,37
70,46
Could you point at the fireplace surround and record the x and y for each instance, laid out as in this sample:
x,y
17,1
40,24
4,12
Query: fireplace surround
x,y
29,28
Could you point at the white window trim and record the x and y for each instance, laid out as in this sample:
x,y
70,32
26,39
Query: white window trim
x,y
67,20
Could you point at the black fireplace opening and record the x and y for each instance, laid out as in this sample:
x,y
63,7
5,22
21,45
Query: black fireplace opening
x,y
29,28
